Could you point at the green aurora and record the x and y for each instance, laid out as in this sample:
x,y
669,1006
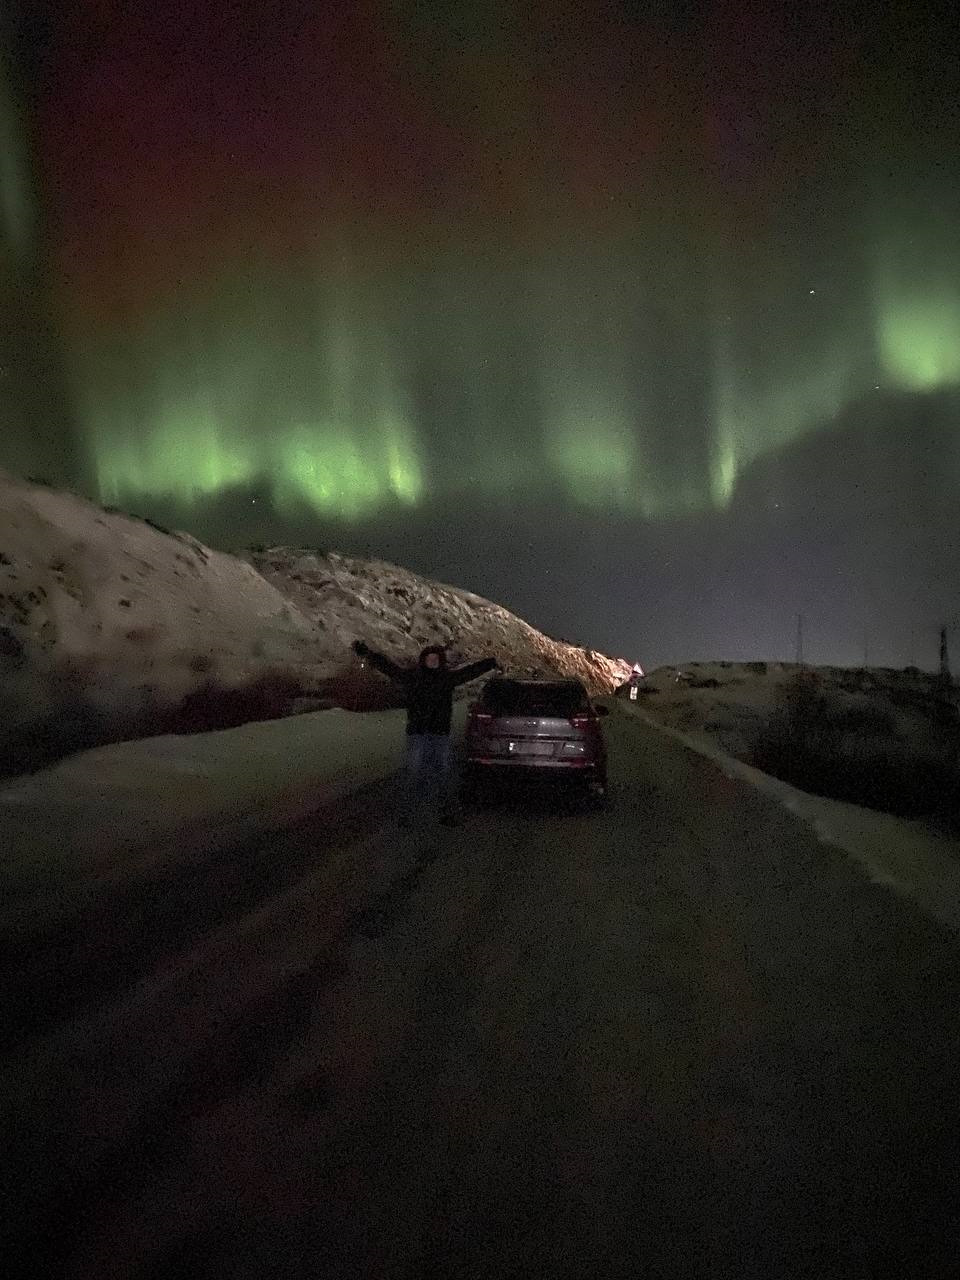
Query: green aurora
x,y
501,390
628,331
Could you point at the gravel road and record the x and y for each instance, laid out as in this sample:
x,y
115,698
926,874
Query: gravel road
x,y
679,1039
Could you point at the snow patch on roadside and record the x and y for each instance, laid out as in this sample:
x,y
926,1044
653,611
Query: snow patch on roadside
x,y
114,811
906,856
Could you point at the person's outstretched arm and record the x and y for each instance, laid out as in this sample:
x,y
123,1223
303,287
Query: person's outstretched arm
x,y
461,675
380,661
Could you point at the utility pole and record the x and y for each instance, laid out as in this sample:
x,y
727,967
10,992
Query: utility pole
x,y
866,649
944,657
799,639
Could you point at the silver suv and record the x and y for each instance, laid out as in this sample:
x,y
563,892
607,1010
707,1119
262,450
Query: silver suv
x,y
528,726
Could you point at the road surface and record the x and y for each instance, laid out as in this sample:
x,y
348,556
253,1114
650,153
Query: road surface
x,y
681,1039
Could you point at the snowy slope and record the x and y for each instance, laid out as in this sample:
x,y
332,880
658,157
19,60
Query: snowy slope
x,y
108,624
398,613
111,628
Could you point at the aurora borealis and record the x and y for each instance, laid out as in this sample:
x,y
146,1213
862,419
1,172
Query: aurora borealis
x,y
396,270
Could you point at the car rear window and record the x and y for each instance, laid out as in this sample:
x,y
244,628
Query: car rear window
x,y
513,697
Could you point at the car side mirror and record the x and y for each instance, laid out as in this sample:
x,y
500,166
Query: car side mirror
x,y
602,710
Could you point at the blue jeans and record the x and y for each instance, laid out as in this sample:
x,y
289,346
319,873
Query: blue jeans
x,y
428,771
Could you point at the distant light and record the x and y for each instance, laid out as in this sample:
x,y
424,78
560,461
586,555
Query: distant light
x,y
813,291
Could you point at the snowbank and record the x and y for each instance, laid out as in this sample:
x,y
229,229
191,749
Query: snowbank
x,y
110,812
908,856
108,622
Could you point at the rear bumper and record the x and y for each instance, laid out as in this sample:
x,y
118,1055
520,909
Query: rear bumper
x,y
518,764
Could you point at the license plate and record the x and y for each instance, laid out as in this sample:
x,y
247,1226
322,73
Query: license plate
x,y
530,748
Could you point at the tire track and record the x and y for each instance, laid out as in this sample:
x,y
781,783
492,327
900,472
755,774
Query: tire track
x,y
61,1170
58,969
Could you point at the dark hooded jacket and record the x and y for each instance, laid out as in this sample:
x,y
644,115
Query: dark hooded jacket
x,y
428,692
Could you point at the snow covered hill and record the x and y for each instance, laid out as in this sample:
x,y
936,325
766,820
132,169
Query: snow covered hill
x,y
398,613
112,627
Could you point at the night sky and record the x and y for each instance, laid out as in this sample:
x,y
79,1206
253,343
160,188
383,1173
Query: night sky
x,y
640,318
